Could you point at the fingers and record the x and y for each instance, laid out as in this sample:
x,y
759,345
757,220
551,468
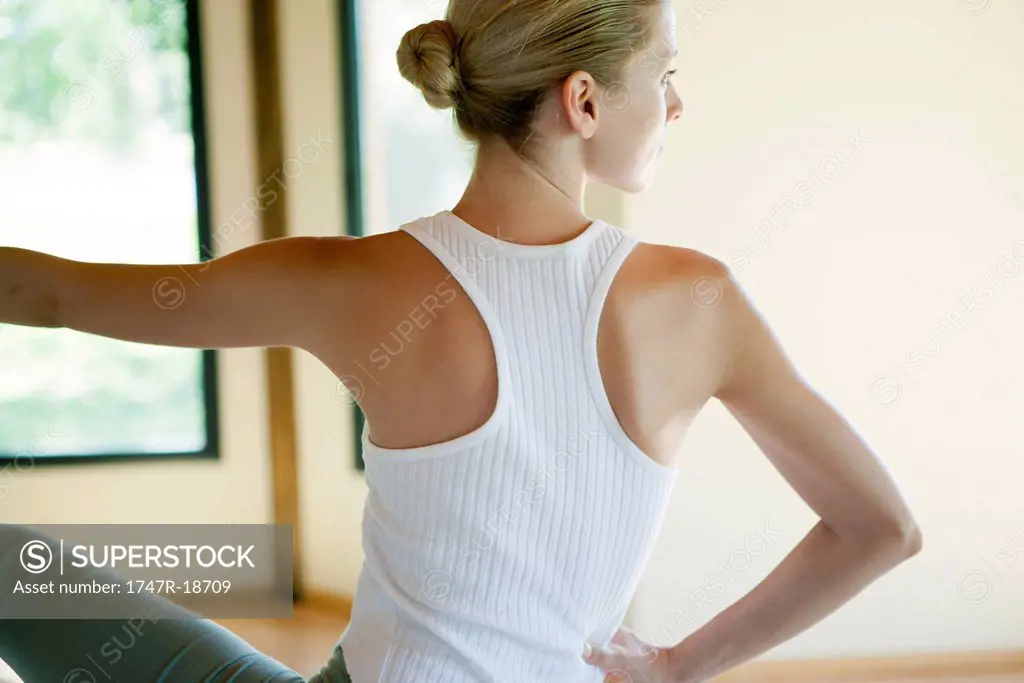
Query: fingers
x,y
597,656
623,637
611,662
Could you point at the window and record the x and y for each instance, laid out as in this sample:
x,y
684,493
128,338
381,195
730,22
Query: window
x,y
102,160
408,160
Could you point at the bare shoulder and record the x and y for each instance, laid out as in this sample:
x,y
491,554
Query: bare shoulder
x,y
342,272
305,250
698,280
367,247
701,303
335,256
749,352
680,260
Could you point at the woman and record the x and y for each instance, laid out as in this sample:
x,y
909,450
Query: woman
x,y
527,374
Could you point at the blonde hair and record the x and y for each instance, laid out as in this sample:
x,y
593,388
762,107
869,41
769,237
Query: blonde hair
x,y
493,61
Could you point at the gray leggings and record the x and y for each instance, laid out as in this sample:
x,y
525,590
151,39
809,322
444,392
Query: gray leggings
x,y
177,648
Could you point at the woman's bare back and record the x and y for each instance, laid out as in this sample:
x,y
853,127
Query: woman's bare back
x,y
420,361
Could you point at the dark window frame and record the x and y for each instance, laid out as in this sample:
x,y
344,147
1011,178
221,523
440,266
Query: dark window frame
x,y
351,124
211,401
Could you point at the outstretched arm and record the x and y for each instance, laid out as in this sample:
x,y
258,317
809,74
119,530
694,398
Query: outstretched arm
x,y
274,293
865,528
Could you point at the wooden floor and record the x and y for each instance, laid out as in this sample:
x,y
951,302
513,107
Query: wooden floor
x,y
305,642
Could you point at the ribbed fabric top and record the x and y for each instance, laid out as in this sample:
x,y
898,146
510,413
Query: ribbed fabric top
x,y
493,557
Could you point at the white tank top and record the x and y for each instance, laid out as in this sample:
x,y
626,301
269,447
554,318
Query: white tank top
x,y
493,557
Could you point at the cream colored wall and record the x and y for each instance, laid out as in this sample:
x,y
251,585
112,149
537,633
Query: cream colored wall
x,y
235,489
332,491
922,103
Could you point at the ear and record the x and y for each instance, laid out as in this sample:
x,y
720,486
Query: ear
x,y
579,101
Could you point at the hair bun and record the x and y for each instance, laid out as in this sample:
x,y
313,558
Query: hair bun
x,y
426,58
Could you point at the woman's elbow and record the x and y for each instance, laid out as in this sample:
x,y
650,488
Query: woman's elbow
x,y
902,539
913,539
896,539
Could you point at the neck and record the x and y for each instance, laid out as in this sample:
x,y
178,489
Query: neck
x,y
529,203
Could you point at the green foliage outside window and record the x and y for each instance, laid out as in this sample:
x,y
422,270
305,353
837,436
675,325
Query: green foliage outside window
x,y
97,164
